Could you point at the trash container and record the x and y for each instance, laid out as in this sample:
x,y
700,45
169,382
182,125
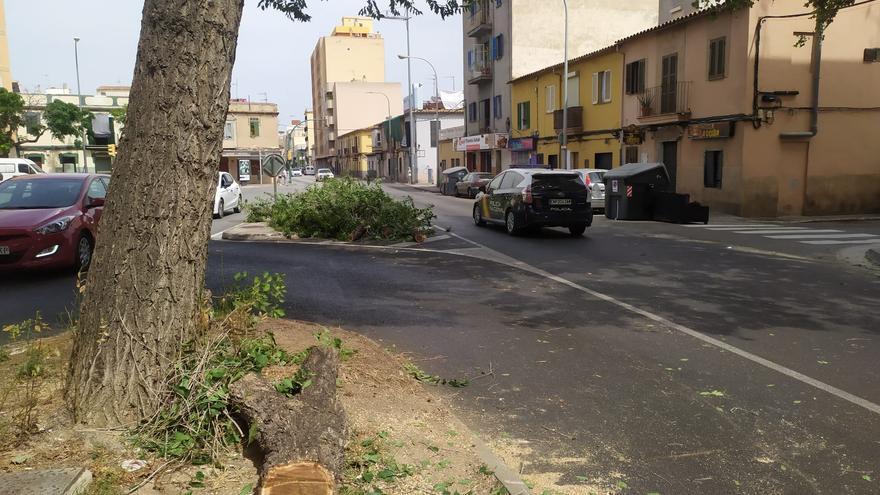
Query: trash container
x,y
451,177
629,190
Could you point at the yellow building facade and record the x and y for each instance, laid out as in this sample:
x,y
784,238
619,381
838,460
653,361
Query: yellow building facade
x,y
594,113
5,71
352,150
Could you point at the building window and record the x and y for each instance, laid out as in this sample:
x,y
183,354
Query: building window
x,y
601,87
574,90
255,127
496,107
472,112
550,93
635,77
32,122
717,52
486,112
229,130
497,47
497,3
631,155
522,115
712,168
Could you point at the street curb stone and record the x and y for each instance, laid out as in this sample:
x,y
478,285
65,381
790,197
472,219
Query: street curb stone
x,y
71,481
873,256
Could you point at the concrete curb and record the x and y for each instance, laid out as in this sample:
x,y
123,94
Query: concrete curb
x,y
506,476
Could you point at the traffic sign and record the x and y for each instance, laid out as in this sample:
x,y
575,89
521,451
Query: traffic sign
x,y
273,165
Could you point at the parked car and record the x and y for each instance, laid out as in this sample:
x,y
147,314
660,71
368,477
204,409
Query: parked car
x,y
297,172
324,174
309,170
524,198
472,183
227,195
50,220
14,167
594,179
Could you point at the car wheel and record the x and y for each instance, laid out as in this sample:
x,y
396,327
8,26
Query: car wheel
x,y
83,253
237,208
513,227
478,216
220,208
577,230
471,193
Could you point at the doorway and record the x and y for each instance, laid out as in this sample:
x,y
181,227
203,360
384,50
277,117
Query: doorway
x,y
670,159
553,161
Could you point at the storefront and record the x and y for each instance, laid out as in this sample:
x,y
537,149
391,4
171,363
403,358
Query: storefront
x,y
480,150
523,151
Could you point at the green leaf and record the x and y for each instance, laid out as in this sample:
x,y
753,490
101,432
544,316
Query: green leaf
x,y
712,393
622,485
867,477
246,489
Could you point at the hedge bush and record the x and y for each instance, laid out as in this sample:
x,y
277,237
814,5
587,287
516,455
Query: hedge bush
x,y
343,209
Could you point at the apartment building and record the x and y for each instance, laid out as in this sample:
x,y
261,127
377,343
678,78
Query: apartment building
x,y
594,112
250,133
748,120
56,155
309,125
507,39
349,91
5,70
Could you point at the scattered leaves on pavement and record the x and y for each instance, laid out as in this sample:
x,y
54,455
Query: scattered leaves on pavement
x,y
712,393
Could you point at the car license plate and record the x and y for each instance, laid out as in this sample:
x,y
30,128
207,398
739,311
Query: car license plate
x,y
555,202
4,249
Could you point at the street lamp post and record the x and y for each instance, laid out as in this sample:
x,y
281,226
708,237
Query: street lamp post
x,y
413,147
79,98
563,140
388,101
436,100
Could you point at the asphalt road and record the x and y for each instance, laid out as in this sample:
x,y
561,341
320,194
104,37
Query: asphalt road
x,y
610,383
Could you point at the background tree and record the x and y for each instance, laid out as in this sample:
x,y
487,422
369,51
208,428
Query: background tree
x,y
146,283
119,114
19,125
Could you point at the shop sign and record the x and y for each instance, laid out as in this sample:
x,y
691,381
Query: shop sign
x,y
714,130
481,142
522,144
633,136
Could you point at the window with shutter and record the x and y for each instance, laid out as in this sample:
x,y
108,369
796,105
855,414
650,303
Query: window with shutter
x,y
470,59
499,44
595,88
606,87
717,58
551,98
574,91
494,49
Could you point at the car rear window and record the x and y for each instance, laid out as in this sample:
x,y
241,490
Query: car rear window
x,y
557,182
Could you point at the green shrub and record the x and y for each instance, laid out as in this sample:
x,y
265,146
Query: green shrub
x,y
344,209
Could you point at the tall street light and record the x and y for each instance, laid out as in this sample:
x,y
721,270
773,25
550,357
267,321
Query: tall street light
x,y
436,100
387,100
413,159
563,140
79,98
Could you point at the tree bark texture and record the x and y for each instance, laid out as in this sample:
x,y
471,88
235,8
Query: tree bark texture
x,y
302,439
145,285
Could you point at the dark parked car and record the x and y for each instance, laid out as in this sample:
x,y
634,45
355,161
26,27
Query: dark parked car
x,y
523,198
472,184
50,220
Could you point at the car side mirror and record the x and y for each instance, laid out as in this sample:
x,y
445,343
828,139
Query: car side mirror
x,y
94,202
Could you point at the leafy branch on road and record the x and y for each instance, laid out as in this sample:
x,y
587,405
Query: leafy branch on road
x,y
344,209
420,375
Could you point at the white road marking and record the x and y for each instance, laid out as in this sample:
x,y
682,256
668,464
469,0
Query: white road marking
x,y
843,394
813,235
712,226
757,227
219,235
778,231
829,243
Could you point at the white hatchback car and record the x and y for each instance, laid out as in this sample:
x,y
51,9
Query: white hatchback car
x,y
227,196
324,174
297,172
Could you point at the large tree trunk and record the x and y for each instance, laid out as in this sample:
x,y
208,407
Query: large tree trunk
x,y
146,282
301,439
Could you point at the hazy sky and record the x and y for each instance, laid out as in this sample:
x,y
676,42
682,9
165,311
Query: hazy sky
x,y
273,52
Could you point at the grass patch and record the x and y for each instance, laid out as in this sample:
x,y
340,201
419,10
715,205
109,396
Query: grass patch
x,y
344,209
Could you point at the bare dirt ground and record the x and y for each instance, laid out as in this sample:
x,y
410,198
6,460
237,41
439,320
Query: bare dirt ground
x,y
405,437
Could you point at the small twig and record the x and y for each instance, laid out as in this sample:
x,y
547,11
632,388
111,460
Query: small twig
x,y
148,478
558,433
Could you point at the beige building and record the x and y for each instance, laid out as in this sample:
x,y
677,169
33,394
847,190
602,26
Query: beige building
x,y
348,67
250,134
506,39
55,155
743,135
353,152
310,136
5,70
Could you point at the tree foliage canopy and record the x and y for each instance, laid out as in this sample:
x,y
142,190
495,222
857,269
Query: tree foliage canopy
x,y
20,125
296,9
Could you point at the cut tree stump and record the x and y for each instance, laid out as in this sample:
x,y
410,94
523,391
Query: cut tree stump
x,y
302,439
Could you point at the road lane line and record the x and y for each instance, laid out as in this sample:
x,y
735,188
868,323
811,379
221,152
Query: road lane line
x,y
830,243
812,235
840,393
779,231
731,225
219,235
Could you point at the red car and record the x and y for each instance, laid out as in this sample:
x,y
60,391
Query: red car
x,y
50,221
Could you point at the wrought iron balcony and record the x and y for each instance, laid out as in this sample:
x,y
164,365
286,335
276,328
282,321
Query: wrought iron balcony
x,y
478,18
664,102
481,66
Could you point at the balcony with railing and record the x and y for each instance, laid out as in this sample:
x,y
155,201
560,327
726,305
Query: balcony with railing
x,y
664,103
480,68
478,18
575,120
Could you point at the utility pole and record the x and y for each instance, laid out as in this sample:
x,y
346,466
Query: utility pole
x,y
79,99
563,140
436,100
